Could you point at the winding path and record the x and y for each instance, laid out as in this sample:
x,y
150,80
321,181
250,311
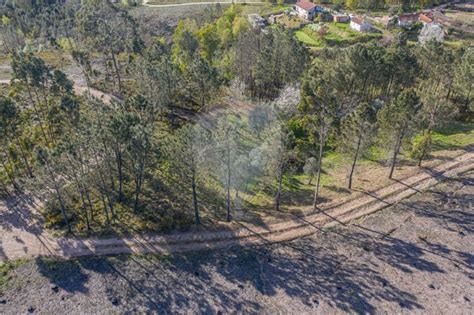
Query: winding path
x,y
24,237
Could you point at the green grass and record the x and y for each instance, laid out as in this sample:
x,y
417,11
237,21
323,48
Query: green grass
x,y
453,136
306,39
338,34
272,9
6,268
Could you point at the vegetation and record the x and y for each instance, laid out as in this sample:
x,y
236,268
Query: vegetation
x,y
216,118
6,268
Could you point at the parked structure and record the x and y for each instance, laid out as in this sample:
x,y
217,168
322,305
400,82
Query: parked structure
x,y
359,24
305,9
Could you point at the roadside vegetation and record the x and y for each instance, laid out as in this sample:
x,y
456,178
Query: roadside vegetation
x,y
216,121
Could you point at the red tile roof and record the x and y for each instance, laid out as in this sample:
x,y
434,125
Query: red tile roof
x,y
357,20
409,17
425,19
305,5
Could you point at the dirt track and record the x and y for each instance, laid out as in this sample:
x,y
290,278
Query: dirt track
x,y
80,89
23,235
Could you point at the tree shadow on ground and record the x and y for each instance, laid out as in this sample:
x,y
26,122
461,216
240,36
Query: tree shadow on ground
x,y
238,279
65,275
233,279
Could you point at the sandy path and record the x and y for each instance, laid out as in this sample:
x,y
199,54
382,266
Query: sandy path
x,y
23,235
81,89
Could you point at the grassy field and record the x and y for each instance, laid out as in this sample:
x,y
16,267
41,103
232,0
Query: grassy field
x,y
454,136
308,40
338,34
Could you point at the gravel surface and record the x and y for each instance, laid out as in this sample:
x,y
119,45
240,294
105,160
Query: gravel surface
x,y
415,257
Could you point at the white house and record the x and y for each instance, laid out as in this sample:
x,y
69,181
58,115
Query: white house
x,y
359,24
305,9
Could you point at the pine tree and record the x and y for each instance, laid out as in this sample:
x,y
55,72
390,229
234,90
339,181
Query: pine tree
x,y
397,120
357,131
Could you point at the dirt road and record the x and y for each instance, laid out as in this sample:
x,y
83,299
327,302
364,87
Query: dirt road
x,y
23,235
81,89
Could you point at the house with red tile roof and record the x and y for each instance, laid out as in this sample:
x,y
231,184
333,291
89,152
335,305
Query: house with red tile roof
x,y
305,9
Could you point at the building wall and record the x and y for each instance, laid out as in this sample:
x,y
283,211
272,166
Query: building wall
x,y
308,15
355,26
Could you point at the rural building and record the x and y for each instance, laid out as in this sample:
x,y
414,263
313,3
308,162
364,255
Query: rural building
x,y
359,24
407,19
341,18
256,21
305,9
425,19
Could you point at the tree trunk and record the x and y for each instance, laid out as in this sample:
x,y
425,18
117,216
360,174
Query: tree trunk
x,y
320,158
117,70
354,161
84,208
396,149
25,158
91,208
138,186
425,149
104,192
63,208
59,196
120,174
278,195
37,113
228,185
104,204
195,200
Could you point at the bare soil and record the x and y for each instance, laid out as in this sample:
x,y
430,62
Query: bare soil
x,y
416,257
